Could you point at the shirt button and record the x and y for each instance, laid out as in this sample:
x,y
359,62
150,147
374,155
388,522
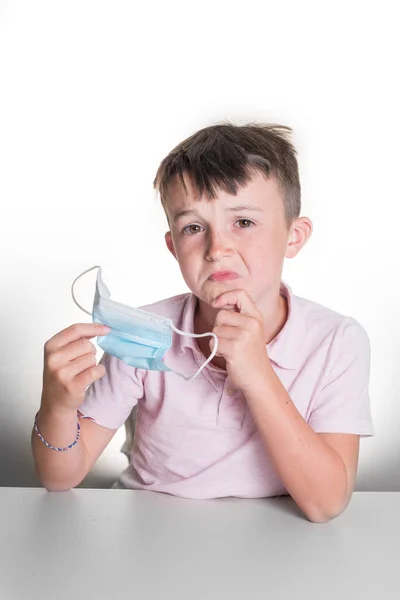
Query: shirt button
x,y
231,391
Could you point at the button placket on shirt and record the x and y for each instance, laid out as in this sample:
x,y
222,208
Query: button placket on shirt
x,y
231,407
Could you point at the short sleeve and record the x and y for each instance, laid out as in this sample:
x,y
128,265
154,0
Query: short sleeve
x,y
342,405
110,400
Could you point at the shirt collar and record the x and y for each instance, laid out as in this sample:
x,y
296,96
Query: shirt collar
x,y
284,350
187,323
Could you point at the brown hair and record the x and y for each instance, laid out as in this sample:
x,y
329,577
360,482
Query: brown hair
x,y
225,156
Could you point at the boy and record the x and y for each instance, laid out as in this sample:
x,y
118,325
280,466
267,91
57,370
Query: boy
x,y
282,405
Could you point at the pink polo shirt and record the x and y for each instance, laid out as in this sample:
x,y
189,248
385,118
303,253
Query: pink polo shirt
x,y
197,439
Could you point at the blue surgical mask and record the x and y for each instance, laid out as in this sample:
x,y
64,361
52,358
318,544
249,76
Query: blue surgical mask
x,y
137,337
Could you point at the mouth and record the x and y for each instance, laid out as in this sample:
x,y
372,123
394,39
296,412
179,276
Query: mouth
x,y
220,276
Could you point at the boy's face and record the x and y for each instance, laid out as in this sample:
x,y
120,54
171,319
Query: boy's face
x,y
232,242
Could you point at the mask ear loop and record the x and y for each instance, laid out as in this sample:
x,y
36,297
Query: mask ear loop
x,y
192,335
72,288
198,335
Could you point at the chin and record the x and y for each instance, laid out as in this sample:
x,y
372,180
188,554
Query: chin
x,y
212,290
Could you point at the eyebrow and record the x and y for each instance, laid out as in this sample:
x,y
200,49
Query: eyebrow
x,y
183,213
244,207
186,212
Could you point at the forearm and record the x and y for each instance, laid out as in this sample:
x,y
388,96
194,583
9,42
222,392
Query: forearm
x,y
312,472
58,470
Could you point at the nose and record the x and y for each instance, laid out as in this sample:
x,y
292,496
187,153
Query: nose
x,y
218,247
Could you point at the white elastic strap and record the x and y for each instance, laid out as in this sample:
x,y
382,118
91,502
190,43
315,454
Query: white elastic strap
x,y
198,335
72,288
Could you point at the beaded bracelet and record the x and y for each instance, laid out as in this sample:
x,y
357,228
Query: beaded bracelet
x,y
54,447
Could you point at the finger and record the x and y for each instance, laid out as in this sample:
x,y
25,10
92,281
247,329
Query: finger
x,y
75,332
240,299
223,332
225,347
76,367
89,376
70,352
230,318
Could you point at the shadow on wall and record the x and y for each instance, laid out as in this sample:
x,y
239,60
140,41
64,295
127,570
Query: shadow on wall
x,y
16,460
17,467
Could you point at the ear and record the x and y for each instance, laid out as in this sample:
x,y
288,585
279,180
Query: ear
x,y
170,243
300,232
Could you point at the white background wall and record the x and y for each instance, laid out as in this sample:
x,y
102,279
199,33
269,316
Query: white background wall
x,y
93,94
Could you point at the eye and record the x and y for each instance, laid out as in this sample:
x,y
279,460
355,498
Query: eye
x,y
192,229
245,223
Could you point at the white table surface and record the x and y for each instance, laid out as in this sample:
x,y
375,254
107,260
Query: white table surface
x,y
118,544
